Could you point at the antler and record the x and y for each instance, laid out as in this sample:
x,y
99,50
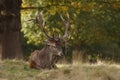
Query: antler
x,y
67,25
41,23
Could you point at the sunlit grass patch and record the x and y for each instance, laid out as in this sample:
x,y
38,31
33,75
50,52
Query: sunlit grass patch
x,y
19,70
16,70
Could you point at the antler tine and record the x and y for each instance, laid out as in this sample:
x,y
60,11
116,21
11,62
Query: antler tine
x,y
67,25
41,24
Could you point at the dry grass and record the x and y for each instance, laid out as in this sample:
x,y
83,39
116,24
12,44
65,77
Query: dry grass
x,y
19,70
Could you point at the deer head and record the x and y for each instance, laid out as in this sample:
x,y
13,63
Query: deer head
x,y
55,43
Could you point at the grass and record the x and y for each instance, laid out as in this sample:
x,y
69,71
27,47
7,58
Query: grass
x,y
19,70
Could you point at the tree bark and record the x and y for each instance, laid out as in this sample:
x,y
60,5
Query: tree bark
x,y
10,25
0,47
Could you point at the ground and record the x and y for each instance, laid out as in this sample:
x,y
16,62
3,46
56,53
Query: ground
x,y
19,70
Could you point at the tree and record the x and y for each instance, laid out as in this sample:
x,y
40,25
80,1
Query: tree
x,y
94,24
10,25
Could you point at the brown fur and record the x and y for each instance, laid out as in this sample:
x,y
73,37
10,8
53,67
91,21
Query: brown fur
x,y
41,59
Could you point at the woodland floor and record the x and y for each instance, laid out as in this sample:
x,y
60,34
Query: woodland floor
x,y
19,70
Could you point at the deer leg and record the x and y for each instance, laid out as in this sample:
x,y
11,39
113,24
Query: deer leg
x,y
54,60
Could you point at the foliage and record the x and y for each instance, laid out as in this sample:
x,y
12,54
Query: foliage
x,y
93,22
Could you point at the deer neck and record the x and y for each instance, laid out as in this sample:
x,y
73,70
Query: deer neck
x,y
49,53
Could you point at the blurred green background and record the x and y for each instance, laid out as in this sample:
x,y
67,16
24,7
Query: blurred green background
x,y
94,33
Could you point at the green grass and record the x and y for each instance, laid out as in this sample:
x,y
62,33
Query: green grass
x,y
19,70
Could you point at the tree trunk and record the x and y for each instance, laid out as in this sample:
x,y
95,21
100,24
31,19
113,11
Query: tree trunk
x,y
10,25
0,47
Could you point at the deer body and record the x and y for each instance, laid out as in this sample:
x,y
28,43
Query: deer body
x,y
48,56
45,58
40,59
